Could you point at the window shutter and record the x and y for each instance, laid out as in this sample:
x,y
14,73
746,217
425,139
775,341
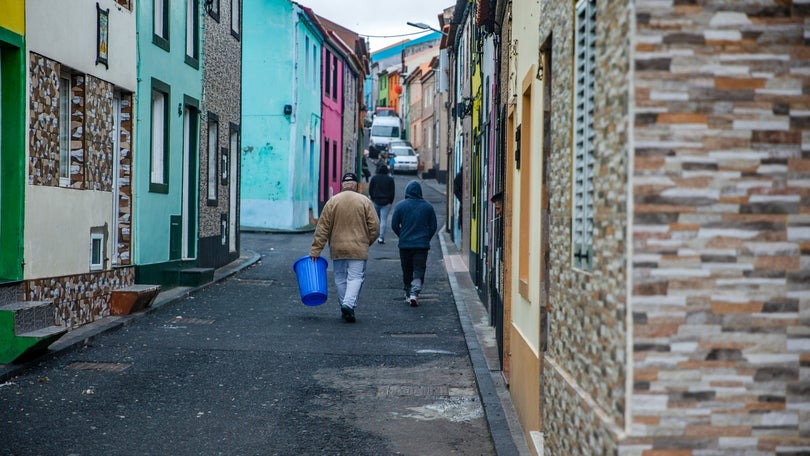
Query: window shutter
x,y
583,210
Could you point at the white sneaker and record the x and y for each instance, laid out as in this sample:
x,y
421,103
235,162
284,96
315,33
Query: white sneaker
x,y
414,302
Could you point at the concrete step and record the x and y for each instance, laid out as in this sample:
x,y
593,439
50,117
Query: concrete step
x,y
134,298
26,329
194,277
30,315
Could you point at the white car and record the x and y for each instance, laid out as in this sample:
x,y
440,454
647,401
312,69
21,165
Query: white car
x,y
405,159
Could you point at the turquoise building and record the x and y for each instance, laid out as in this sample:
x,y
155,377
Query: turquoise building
x,y
281,116
166,183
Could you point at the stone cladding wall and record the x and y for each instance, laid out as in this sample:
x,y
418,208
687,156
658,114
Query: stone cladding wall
x,y
77,156
124,247
98,134
720,189
43,131
91,127
721,228
79,299
584,400
222,72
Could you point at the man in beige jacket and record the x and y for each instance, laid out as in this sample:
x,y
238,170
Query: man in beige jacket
x,y
349,223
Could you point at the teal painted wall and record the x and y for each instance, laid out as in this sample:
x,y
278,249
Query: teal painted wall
x,y
281,66
152,211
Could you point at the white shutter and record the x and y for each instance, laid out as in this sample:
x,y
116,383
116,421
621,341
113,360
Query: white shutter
x,y
583,188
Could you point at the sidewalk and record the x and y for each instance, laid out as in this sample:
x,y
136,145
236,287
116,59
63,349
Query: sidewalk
x,y
482,345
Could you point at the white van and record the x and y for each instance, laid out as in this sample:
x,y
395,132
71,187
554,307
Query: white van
x,y
383,130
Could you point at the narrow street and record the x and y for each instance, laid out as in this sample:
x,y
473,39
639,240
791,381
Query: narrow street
x,y
242,367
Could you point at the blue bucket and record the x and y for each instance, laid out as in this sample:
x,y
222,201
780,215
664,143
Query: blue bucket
x,y
311,280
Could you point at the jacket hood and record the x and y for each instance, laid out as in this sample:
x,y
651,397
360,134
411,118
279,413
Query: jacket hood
x,y
413,190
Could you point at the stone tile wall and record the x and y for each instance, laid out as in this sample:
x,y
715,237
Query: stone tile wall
x,y
124,247
721,229
44,121
223,97
98,134
584,400
79,299
77,131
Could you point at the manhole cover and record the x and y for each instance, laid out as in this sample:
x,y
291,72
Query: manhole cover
x,y
412,390
190,321
102,367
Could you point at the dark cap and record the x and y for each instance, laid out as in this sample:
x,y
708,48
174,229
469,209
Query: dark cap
x,y
349,177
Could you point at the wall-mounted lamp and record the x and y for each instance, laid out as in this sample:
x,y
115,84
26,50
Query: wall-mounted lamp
x,y
287,109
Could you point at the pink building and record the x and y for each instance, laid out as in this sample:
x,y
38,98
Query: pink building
x,y
331,122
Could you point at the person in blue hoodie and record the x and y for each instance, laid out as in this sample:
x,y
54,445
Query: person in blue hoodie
x,y
414,221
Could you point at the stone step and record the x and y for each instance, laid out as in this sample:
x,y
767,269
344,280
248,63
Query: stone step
x,y
30,315
26,329
134,298
44,332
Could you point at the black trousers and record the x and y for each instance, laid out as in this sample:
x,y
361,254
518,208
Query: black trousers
x,y
414,263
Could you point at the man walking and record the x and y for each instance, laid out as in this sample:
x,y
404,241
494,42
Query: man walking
x,y
350,225
414,221
381,190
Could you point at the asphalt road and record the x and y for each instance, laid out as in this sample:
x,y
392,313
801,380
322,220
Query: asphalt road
x,y
244,368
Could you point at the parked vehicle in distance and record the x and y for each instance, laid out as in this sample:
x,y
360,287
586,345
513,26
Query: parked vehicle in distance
x,y
400,142
406,160
382,111
383,131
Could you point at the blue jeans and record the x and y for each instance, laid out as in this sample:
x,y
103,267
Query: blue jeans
x,y
349,277
382,214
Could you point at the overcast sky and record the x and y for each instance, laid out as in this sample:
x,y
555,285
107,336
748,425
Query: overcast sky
x,y
380,17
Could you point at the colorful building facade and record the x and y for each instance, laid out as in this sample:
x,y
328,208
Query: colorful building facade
x,y
281,117
166,205
78,216
220,132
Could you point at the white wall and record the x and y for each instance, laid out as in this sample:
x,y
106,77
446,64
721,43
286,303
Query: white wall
x,y
526,313
57,229
65,31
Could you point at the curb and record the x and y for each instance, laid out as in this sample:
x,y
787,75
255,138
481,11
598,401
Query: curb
x,y
495,401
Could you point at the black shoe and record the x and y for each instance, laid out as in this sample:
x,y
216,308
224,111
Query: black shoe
x,y
380,241
347,314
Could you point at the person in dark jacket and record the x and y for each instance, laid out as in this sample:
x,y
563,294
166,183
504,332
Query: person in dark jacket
x,y
381,190
414,221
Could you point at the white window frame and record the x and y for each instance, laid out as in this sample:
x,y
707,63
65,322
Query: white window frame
x,y
236,18
192,21
159,26
213,159
158,177
233,188
64,129
583,178
96,239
